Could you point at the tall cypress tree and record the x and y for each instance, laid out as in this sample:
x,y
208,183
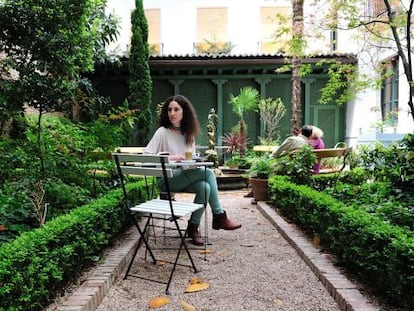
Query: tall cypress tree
x,y
140,85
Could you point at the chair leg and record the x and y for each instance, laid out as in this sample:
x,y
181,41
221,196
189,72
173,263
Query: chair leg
x,y
182,244
141,239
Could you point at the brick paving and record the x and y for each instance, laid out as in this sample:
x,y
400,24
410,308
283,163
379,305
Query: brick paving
x,y
89,295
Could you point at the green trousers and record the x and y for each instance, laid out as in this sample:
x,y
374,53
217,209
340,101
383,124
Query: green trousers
x,y
200,181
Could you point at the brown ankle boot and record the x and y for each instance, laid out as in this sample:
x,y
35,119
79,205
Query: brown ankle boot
x,y
222,222
194,235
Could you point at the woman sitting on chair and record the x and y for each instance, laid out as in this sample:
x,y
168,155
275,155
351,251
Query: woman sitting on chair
x,y
178,127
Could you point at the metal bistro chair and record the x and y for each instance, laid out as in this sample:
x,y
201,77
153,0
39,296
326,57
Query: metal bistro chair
x,y
154,166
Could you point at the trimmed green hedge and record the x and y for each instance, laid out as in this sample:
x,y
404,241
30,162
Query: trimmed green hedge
x,y
381,254
38,264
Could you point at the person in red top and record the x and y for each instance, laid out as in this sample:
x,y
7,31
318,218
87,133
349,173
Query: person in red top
x,y
316,142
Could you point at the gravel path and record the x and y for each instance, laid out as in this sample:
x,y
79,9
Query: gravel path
x,y
252,268
266,265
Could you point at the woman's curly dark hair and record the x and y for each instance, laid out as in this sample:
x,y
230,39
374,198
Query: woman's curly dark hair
x,y
190,126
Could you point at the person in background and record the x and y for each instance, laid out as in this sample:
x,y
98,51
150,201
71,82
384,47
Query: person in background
x,y
316,142
178,128
293,142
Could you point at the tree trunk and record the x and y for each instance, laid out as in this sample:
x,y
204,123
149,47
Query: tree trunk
x,y
405,57
297,51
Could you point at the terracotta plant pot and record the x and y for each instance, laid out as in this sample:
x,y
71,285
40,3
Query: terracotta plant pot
x,y
260,189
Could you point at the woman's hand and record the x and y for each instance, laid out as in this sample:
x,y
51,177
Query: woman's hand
x,y
176,157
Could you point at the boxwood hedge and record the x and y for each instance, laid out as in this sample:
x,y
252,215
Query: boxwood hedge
x,y
379,253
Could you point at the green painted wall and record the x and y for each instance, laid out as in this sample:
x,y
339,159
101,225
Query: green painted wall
x,y
210,87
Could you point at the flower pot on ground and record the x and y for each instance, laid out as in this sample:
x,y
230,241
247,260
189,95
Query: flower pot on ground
x,y
260,170
260,189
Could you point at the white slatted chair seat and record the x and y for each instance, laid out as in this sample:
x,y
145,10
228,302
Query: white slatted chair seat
x,y
162,207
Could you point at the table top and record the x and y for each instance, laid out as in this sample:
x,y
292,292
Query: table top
x,y
182,163
188,163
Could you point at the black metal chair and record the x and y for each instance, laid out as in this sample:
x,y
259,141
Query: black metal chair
x,y
155,166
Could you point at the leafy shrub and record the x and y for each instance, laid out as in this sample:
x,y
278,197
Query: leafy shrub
x,y
377,252
240,161
261,167
297,165
39,263
68,151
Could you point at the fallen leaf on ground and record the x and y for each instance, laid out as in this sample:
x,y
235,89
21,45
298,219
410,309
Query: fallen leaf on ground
x,y
278,301
187,306
157,302
160,263
316,239
206,251
196,284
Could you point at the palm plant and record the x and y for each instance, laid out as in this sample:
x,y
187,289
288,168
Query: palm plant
x,y
247,100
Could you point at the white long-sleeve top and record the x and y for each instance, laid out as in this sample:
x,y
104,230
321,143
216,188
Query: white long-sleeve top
x,y
166,140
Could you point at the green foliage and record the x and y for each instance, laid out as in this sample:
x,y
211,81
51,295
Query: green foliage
x,y
46,44
374,250
364,215
340,87
271,111
379,36
140,86
215,47
261,167
107,28
88,103
393,163
238,160
38,264
122,120
70,159
61,40
247,100
298,165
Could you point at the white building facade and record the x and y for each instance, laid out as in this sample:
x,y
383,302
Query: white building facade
x,y
181,27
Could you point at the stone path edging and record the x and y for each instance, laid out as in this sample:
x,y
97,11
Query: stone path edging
x,y
90,294
345,293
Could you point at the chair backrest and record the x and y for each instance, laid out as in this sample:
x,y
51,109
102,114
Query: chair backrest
x,y
142,164
129,149
145,165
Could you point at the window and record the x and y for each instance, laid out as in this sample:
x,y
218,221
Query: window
x,y
377,8
334,40
273,37
389,91
212,34
154,31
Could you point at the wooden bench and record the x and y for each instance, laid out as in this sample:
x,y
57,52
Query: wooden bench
x,y
332,153
337,152
264,148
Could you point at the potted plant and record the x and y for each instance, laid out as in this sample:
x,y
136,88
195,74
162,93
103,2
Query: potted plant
x,y
246,101
271,112
260,170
